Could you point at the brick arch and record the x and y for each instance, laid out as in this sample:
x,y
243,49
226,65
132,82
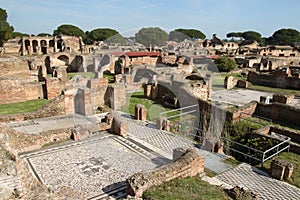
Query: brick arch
x,y
35,45
64,58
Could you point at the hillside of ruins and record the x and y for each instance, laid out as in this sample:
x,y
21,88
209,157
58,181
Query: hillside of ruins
x,y
119,119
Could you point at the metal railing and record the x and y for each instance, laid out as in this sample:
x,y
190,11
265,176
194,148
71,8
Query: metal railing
x,y
255,154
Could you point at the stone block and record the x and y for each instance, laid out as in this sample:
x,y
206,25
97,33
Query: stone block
x,y
281,169
118,127
230,82
242,84
140,112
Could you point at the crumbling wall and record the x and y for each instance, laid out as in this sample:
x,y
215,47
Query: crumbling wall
x,y
279,112
230,82
17,90
278,79
189,164
115,96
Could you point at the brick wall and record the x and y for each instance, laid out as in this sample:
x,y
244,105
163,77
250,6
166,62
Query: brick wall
x,y
189,164
53,87
279,79
279,112
18,90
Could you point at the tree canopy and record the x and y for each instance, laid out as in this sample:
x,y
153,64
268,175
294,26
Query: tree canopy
x,y
5,29
151,36
44,34
284,37
234,35
247,35
179,35
68,29
225,64
19,34
102,34
252,35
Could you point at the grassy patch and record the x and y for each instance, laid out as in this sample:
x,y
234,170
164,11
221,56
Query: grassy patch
x,y
111,77
189,188
209,173
21,107
292,158
231,161
273,90
154,108
85,74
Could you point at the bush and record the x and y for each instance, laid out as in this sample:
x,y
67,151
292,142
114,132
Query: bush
x,y
225,64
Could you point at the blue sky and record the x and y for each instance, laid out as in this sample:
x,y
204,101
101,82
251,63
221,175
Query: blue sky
x,y
209,16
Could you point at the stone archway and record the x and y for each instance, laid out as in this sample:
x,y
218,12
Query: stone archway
x,y
43,44
35,45
76,64
64,58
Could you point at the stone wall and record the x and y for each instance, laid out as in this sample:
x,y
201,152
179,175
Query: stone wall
x,y
18,90
285,99
17,142
115,96
14,67
53,87
278,79
279,112
244,111
98,89
141,60
189,164
230,82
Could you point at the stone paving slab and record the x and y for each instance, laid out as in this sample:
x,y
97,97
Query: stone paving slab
x,y
260,182
238,97
168,141
94,167
36,126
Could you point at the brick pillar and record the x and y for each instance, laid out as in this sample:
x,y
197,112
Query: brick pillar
x,y
69,102
52,87
143,113
83,102
147,91
137,112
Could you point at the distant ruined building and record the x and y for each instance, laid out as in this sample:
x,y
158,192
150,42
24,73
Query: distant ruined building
x,y
39,45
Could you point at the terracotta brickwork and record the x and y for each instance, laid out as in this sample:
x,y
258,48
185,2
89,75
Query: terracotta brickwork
x,y
189,164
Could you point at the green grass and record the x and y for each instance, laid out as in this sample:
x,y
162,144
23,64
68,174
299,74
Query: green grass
x,y
218,83
21,107
111,77
190,188
85,74
292,158
209,173
273,90
153,108
231,161
218,79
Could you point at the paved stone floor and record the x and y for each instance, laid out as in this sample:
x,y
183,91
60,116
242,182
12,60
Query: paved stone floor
x,y
101,164
260,182
96,166
37,126
164,143
238,97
